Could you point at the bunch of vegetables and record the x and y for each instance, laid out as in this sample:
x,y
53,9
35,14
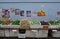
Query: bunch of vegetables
x,y
35,23
1,22
5,21
25,22
16,22
54,22
58,21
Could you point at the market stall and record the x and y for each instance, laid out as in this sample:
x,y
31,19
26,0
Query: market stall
x,y
30,19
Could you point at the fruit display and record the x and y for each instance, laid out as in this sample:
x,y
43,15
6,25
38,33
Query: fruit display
x,y
25,22
16,22
35,23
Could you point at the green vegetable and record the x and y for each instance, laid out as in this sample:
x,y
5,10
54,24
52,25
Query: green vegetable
x,y
54,22
58,21
1,22
16,22
51,22
35,23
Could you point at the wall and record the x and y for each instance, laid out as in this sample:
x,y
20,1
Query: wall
x,y
29,0
49,8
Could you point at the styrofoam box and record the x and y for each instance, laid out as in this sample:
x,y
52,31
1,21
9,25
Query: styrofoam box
x,y
13,33
53,26
43,33
10,26
1,33
14,26
0,25
21,35
36,33
36,26
59,25
6,33
30,33
56,34
5,26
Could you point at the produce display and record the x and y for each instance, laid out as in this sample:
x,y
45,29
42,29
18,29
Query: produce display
x,y
44,23
54,22
1,22
25,22
6,21
58,21
31,22
35,23
16,22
